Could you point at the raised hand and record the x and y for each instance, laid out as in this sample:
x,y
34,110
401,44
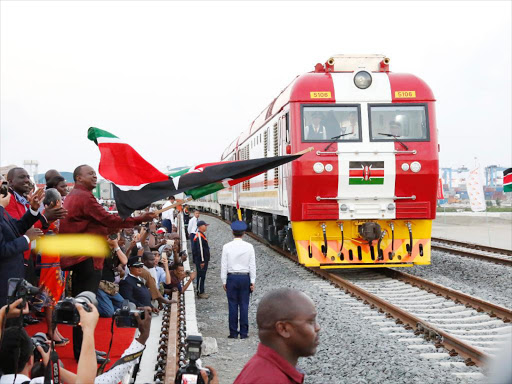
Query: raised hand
x,y
35,199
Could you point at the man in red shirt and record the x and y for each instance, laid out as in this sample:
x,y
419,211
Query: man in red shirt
x,y
86,215
287,329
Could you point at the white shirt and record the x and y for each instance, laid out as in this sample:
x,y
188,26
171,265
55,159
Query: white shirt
x,y
192,225
9,379
169,215
153,273
116,374
238,256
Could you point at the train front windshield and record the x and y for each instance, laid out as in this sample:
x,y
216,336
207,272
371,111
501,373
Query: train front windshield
x,y
328,123
409,123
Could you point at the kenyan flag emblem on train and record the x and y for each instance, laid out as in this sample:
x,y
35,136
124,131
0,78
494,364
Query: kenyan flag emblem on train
x,y
366,172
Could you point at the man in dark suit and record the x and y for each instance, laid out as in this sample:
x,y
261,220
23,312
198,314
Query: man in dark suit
x,y
15,239
201,256
132,287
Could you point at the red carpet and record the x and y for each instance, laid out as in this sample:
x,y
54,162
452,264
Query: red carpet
x,y
122,339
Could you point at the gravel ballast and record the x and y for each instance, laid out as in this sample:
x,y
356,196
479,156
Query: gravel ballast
x,y
485,280
357,344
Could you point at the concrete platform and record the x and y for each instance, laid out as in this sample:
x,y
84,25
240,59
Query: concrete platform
x,y
493,229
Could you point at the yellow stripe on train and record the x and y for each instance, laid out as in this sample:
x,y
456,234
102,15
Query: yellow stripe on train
x,y
356,252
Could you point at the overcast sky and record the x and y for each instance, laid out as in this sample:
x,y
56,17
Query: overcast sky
x,y
180,80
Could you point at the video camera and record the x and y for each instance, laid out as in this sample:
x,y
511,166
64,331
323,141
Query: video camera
x,y
65,311
191,373
125,316
20,289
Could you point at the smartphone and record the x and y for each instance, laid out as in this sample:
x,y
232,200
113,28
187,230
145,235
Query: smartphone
x,y
4,188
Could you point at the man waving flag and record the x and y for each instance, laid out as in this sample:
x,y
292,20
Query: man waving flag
x,y
137,183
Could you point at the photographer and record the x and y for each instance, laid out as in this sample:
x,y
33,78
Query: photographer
x,y
16,342
17,350
178,274
108,295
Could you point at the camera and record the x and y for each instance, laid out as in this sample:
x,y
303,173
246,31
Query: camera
x,y
191,373
4,189
112,236
65,311
20,289
40,339
125,316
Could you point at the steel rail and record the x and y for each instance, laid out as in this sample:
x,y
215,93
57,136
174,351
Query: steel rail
x,y
477,256
448,341
455,346
480,247
480,305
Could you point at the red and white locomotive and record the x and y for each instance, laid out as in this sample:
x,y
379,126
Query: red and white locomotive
x,y
366,195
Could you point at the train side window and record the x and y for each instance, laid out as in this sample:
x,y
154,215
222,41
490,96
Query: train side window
x,y
325,123
407,122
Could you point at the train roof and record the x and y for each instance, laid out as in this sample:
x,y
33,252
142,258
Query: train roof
x,y
300,89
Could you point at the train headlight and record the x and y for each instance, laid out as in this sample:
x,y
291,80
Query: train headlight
x,y
343,207
329,167
415,166
405,167
362,80
391,207
318,167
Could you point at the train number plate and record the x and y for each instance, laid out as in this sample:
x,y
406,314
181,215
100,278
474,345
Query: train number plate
x,y
320,95
405,94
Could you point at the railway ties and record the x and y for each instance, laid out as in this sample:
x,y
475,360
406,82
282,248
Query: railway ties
x,y
475,251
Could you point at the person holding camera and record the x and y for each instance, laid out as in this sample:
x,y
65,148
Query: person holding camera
x,y
16,236
18,350
178,275
108,295
86,215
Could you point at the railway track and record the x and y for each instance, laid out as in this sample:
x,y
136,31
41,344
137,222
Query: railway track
x,y
475,251
464,325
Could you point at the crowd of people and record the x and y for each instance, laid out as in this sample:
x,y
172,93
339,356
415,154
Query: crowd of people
x,y
144,266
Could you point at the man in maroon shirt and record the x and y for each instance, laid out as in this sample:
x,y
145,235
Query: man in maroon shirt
x,y
287,329
86,215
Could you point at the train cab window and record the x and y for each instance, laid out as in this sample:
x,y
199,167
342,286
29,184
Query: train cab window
x,y
407,122
328,123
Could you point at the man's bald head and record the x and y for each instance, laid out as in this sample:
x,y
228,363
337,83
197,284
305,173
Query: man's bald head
x,y
50,174
281,304
287,323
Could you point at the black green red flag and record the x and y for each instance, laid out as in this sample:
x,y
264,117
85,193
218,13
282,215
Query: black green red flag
x,y
137,184
507,180
366,172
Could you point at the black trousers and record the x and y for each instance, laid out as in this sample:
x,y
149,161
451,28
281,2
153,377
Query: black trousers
x,y
84,278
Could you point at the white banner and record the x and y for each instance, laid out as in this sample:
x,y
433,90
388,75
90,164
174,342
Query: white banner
x,y
475,187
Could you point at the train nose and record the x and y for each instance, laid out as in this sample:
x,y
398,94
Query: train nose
x,y
370,231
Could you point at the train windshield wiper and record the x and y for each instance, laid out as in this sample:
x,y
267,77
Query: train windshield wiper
x,y
396,138
336,138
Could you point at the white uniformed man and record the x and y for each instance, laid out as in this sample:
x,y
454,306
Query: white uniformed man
x,y
238,274
192,225
168,220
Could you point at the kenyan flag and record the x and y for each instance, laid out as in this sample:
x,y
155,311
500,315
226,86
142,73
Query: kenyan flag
x,y
137,183
507,180
366,172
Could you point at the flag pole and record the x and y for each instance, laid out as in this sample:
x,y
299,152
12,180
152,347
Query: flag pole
x,y
180,202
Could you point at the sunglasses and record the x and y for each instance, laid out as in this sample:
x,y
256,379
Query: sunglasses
x,y
136,266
